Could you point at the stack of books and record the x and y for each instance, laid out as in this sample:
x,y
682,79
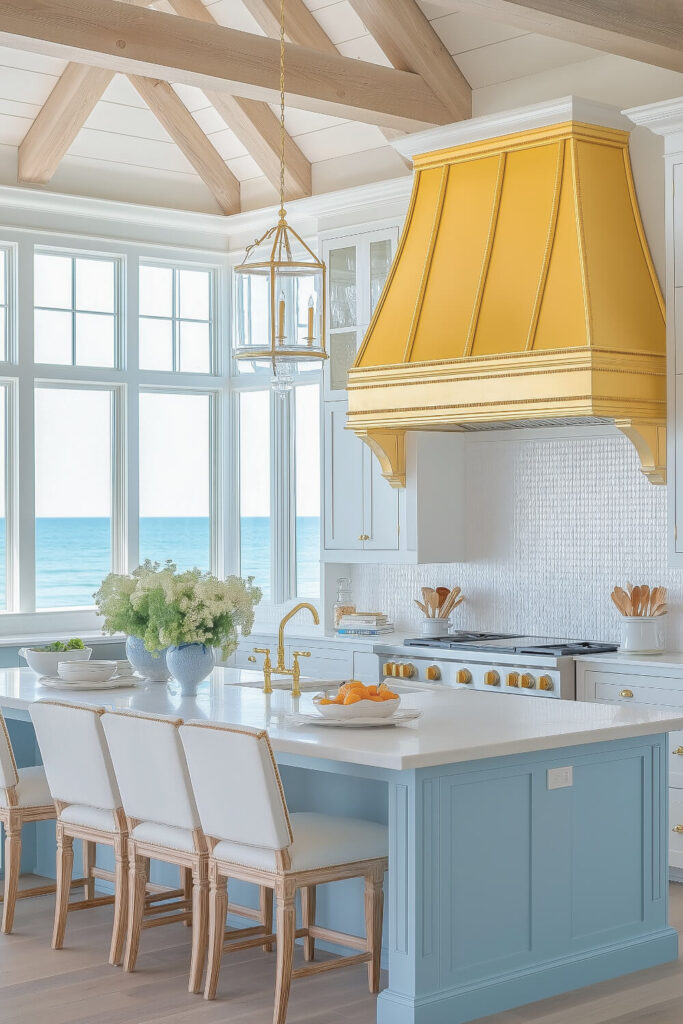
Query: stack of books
x,y
364,624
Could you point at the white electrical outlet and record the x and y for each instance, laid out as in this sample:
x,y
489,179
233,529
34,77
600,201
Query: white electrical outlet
x,y
559,778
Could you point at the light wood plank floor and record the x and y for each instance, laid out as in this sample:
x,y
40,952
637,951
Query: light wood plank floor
x,y
77,986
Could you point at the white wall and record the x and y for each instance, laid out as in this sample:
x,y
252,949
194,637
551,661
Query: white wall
x,y
553,523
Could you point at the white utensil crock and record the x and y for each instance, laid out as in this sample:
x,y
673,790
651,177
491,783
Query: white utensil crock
x,y
435,627
642,634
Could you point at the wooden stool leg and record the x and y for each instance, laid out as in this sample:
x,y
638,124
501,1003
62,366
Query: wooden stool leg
x,y
266,905
118,936
12,866
200,925
65,861
186,884
374,906
136,908
286,928
218,908
88,855
308,919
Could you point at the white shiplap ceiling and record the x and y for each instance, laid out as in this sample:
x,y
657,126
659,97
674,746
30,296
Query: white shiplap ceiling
x,y
123,152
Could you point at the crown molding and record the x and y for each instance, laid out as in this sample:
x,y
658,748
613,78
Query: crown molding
x,y
489,126
665,118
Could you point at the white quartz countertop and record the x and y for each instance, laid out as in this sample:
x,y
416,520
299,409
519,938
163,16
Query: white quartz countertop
x,y
665,660
456,726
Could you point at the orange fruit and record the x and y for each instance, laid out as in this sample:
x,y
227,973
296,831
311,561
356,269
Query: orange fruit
x,y
388,695
353,698
373,691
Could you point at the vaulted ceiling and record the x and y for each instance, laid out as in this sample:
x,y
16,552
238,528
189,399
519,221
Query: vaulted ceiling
x,y
76,127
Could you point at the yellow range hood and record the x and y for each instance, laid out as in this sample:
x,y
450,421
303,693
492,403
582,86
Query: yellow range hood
x,y
522,293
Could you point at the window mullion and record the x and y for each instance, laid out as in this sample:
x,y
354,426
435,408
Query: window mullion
x,y
129,426
282,503
24,528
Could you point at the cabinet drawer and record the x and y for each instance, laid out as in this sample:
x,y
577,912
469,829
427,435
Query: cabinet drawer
x,y
627,690
675,819
676,760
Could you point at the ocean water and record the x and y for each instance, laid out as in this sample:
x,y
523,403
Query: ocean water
x,y
74,555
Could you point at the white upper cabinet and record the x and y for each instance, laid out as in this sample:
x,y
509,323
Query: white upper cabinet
x,y
365,518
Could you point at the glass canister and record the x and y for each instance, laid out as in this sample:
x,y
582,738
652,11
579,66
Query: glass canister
x,y
344,604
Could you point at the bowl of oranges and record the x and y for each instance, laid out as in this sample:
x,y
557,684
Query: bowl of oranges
x,y
356,700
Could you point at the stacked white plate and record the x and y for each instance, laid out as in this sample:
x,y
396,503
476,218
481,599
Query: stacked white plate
x,y
91,675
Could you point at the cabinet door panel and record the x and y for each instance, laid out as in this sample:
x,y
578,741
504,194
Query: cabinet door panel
x,y
380,506
343,481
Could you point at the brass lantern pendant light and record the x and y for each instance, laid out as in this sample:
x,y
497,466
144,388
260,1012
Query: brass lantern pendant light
x,y
280,287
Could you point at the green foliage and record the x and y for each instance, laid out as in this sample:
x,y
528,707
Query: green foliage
x,y
75,644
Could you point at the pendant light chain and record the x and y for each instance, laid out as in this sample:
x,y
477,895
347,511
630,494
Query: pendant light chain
x,y
282,109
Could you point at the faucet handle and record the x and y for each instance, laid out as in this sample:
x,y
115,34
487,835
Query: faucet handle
x,y
260,650
301,654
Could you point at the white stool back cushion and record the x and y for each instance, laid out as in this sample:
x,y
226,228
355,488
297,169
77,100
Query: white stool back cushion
x,y
75,754
150,766
237,785
8,766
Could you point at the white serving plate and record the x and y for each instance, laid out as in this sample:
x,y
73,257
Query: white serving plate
x,y
400,717
361,709
85,671
117,682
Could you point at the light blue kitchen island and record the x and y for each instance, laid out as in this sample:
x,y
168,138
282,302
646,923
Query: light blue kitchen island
x,y
528,838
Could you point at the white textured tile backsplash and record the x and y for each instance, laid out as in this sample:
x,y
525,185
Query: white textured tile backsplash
x,y
553,522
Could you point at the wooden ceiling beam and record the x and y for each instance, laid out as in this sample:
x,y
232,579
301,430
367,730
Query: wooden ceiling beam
x,y
407,38
255,124
650,31
169,109
301,26
132,40
59,121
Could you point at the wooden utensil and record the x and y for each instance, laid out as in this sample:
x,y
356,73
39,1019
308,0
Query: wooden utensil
x,y
644,599
661,610
434,604
626,601
635,600
422,607
443,593
620,603
449,603
426,597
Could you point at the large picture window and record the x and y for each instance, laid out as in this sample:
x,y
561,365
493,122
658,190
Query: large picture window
x,y
127,433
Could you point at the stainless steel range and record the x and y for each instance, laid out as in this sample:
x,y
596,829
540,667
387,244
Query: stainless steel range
x,y
498,662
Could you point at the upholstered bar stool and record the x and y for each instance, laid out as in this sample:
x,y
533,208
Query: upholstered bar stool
x,y
252,837
83,786
163,824
24,797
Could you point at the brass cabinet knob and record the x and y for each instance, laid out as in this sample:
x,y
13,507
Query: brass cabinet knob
x,y
677,828
492,678
678,750
433,673
528,681
363,536
463,675
626,693
546,683
513,679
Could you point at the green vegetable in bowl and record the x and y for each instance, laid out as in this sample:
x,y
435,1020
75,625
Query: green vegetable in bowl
x,y
75,644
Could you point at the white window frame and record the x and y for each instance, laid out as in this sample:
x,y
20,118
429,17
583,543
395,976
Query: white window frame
x,y
215,355
21,374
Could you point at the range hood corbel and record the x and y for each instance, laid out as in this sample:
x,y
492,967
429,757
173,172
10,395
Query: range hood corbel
x,y
522,292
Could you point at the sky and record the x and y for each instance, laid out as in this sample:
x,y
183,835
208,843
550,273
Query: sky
x,y
73,453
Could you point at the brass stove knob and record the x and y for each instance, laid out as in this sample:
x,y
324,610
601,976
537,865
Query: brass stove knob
x,y
406,671
492,678
513,679
388,668
463,675
528,681
433,673
546,683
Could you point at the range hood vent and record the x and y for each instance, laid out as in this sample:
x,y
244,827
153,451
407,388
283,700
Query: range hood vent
x,y
522,293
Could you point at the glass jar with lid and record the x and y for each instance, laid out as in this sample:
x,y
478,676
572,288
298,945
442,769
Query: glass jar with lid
x,y
344,605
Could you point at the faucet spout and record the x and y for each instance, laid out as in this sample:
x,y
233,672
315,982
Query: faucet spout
x,y
281,633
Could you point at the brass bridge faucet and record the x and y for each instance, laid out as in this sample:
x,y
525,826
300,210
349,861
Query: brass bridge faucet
x,y
281,668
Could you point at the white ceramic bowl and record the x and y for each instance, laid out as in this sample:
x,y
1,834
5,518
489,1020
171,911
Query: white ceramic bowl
x,y
86,671
44,663
361,709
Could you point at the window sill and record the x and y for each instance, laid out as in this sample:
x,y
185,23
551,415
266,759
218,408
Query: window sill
x,y
34,639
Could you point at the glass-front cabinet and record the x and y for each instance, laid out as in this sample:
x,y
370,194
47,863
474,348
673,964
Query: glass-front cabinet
x,y
358,266
361,509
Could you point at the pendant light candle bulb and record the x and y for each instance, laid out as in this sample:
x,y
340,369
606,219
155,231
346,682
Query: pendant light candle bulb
x,y
281,318
311,311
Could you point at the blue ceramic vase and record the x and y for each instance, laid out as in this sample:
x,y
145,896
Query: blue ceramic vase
x,y
151,666
190,664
